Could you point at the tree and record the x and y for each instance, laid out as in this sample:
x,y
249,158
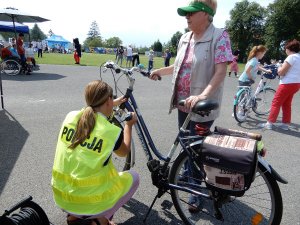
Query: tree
x,y
157,46
94,31
246,26
113,42
173,43
36,33
94,39
282,24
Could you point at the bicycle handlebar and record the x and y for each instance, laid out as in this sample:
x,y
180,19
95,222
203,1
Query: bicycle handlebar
x,y
118,69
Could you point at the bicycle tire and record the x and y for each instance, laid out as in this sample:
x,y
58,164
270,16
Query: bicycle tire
x,y
122,163
263,101
263,198
240,110
11,67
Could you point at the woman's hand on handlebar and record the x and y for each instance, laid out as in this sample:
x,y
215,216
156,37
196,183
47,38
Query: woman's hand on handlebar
x,y
120,100
155,75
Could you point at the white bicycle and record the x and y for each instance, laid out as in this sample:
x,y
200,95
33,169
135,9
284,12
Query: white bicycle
x,y
260,101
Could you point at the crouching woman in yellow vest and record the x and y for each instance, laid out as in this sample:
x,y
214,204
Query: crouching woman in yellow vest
x,y
85,182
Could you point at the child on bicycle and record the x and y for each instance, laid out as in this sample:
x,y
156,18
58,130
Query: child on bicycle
x,y
249,74
252,67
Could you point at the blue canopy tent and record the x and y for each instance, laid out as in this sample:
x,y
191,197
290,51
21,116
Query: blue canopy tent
x,y
9,27
55,41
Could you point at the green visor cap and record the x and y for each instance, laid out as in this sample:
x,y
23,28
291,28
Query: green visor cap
x,y
195,7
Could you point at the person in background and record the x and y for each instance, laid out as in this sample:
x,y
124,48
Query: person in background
x,y
249,74
77,50
20,47
135,59
234,64
5,51
21,52
167,57
128,56
29,54
39,46
289,85
85,182
150,60
199,69
120,53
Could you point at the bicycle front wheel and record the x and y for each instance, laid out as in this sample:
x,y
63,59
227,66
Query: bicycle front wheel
x,y
263,101
122,163
11,67
262,202
240,109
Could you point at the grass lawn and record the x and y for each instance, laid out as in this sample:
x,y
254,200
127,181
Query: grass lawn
x,y
94,59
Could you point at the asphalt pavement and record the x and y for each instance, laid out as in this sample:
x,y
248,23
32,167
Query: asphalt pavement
x,y
36,105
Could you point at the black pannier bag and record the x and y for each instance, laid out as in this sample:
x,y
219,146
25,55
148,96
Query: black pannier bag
x,y
229,163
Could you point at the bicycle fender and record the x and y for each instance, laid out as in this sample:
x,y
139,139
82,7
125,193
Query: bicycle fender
x,y
237,94
272,171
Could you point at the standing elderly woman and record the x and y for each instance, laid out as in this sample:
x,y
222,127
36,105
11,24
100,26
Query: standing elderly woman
x,y
85,182
289,85
200,66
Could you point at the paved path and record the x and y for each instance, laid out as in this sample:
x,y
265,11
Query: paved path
x,y
36,105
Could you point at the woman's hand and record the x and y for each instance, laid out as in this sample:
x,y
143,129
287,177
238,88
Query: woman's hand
x,y
120,100
155,75
191,101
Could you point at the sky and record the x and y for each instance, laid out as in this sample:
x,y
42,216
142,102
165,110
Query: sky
x,y
136,22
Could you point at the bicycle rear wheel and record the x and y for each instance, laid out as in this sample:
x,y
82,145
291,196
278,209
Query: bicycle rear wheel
x,y
11,67
262,201
263,101
122,163
240,110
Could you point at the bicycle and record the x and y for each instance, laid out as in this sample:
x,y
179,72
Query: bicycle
x,y
260,102
263,199
11,67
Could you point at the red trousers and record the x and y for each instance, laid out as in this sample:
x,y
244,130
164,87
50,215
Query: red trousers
x,y
76,57
283,99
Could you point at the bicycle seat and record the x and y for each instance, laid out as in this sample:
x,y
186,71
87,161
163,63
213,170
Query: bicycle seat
x,y
203,106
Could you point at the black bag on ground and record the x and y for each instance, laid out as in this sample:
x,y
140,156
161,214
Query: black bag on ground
x,y
229,163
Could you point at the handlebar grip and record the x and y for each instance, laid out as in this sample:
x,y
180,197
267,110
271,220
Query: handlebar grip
x,y
238,133
128,117
147,74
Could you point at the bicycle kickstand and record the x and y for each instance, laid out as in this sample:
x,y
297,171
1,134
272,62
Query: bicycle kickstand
x,y
160,192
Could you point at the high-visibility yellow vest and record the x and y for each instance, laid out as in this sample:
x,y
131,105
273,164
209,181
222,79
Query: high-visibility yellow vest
x,y
84,180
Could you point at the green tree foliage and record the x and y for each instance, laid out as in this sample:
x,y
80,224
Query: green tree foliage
x,y
173,43
246,26
282,24
113,42
94,38
36,33
157,46
7,35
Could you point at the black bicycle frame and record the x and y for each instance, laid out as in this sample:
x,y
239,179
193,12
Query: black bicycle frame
x,y
141,129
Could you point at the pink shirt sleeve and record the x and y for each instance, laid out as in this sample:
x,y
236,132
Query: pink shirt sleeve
x,y
223,51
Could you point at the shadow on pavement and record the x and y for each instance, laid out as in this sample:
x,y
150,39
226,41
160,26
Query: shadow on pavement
x,y
139,210
34,77
12,139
